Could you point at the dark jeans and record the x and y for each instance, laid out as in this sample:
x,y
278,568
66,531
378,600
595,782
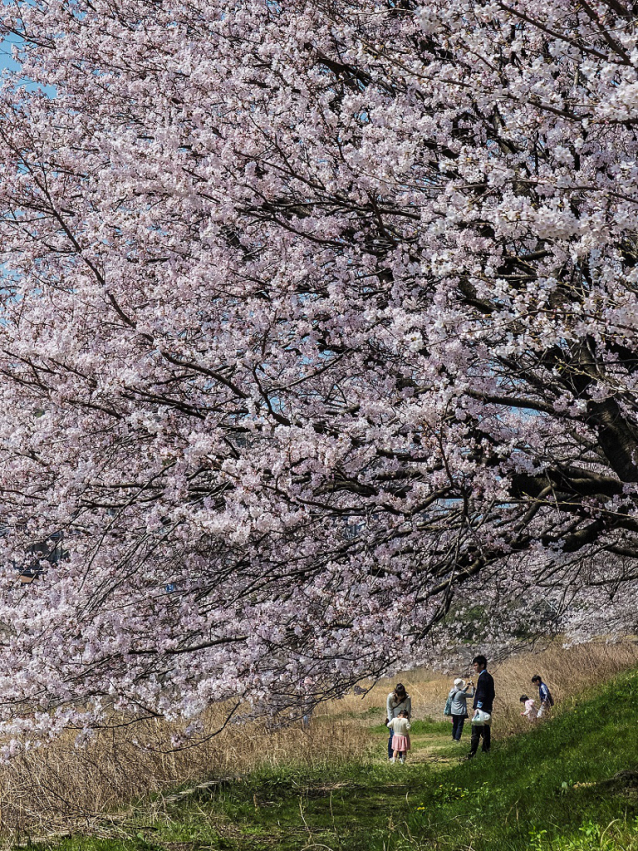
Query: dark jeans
x,y
457,726
390,751
478,731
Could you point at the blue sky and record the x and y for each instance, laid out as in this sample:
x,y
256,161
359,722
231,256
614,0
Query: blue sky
x,y
5,54
8,64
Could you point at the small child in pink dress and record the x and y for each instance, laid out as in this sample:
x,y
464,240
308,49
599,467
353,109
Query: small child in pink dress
x,y
530,709
400,727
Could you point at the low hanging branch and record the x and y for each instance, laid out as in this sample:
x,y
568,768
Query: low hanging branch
x,y
318,344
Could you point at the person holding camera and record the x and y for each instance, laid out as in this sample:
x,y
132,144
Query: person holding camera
x,y
458,705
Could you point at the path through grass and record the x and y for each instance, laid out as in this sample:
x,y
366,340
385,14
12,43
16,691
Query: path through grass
x,y
556,788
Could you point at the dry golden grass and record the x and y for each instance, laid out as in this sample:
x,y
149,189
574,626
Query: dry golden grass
x,y
48,788
57,785
567,671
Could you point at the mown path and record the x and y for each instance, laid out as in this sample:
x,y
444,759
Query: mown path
x,y
333,807
353,807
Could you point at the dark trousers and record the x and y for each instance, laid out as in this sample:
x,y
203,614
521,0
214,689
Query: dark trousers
x,y
478,731
390,751
457,726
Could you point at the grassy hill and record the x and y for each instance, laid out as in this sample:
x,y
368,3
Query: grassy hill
x,y
570,784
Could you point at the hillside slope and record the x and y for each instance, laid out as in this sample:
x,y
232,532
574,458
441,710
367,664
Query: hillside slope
x,y
570,784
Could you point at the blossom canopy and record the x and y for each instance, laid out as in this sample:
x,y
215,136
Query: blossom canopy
x,y
318,341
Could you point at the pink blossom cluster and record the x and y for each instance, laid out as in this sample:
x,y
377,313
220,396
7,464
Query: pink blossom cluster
x,y
318,345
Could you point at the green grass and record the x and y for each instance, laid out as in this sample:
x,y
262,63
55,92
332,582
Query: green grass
x,y
546,790
545,786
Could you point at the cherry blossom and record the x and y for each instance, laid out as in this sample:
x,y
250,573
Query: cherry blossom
x,y
318,343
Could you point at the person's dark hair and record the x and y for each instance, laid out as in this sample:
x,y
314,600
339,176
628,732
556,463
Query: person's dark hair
x,y
399,689
523,698
480,660
536,679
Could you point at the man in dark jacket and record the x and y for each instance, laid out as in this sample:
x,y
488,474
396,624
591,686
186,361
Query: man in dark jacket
x,y
483,700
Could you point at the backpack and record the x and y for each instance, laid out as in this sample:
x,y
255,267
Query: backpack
x,y
448,706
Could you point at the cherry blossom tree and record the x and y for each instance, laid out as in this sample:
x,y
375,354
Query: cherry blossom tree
x,y
318,331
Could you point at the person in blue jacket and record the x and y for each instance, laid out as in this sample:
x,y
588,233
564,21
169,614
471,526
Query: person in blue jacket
x,y
545,696
483,700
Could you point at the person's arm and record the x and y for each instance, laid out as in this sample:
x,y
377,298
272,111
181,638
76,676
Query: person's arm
x,y
479,694
388,710
408,726
390,723
408,706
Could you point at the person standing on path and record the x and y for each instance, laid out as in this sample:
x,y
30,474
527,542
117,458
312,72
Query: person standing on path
x,y
400,727
459,696
544,695
398,701
483,701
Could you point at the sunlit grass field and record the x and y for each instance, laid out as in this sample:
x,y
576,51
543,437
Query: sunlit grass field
x,y
569,784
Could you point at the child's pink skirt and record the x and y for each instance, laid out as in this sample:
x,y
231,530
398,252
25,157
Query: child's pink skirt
x,y
400,743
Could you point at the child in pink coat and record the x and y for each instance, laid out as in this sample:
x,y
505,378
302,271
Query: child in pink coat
x,y
400,727
530,709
